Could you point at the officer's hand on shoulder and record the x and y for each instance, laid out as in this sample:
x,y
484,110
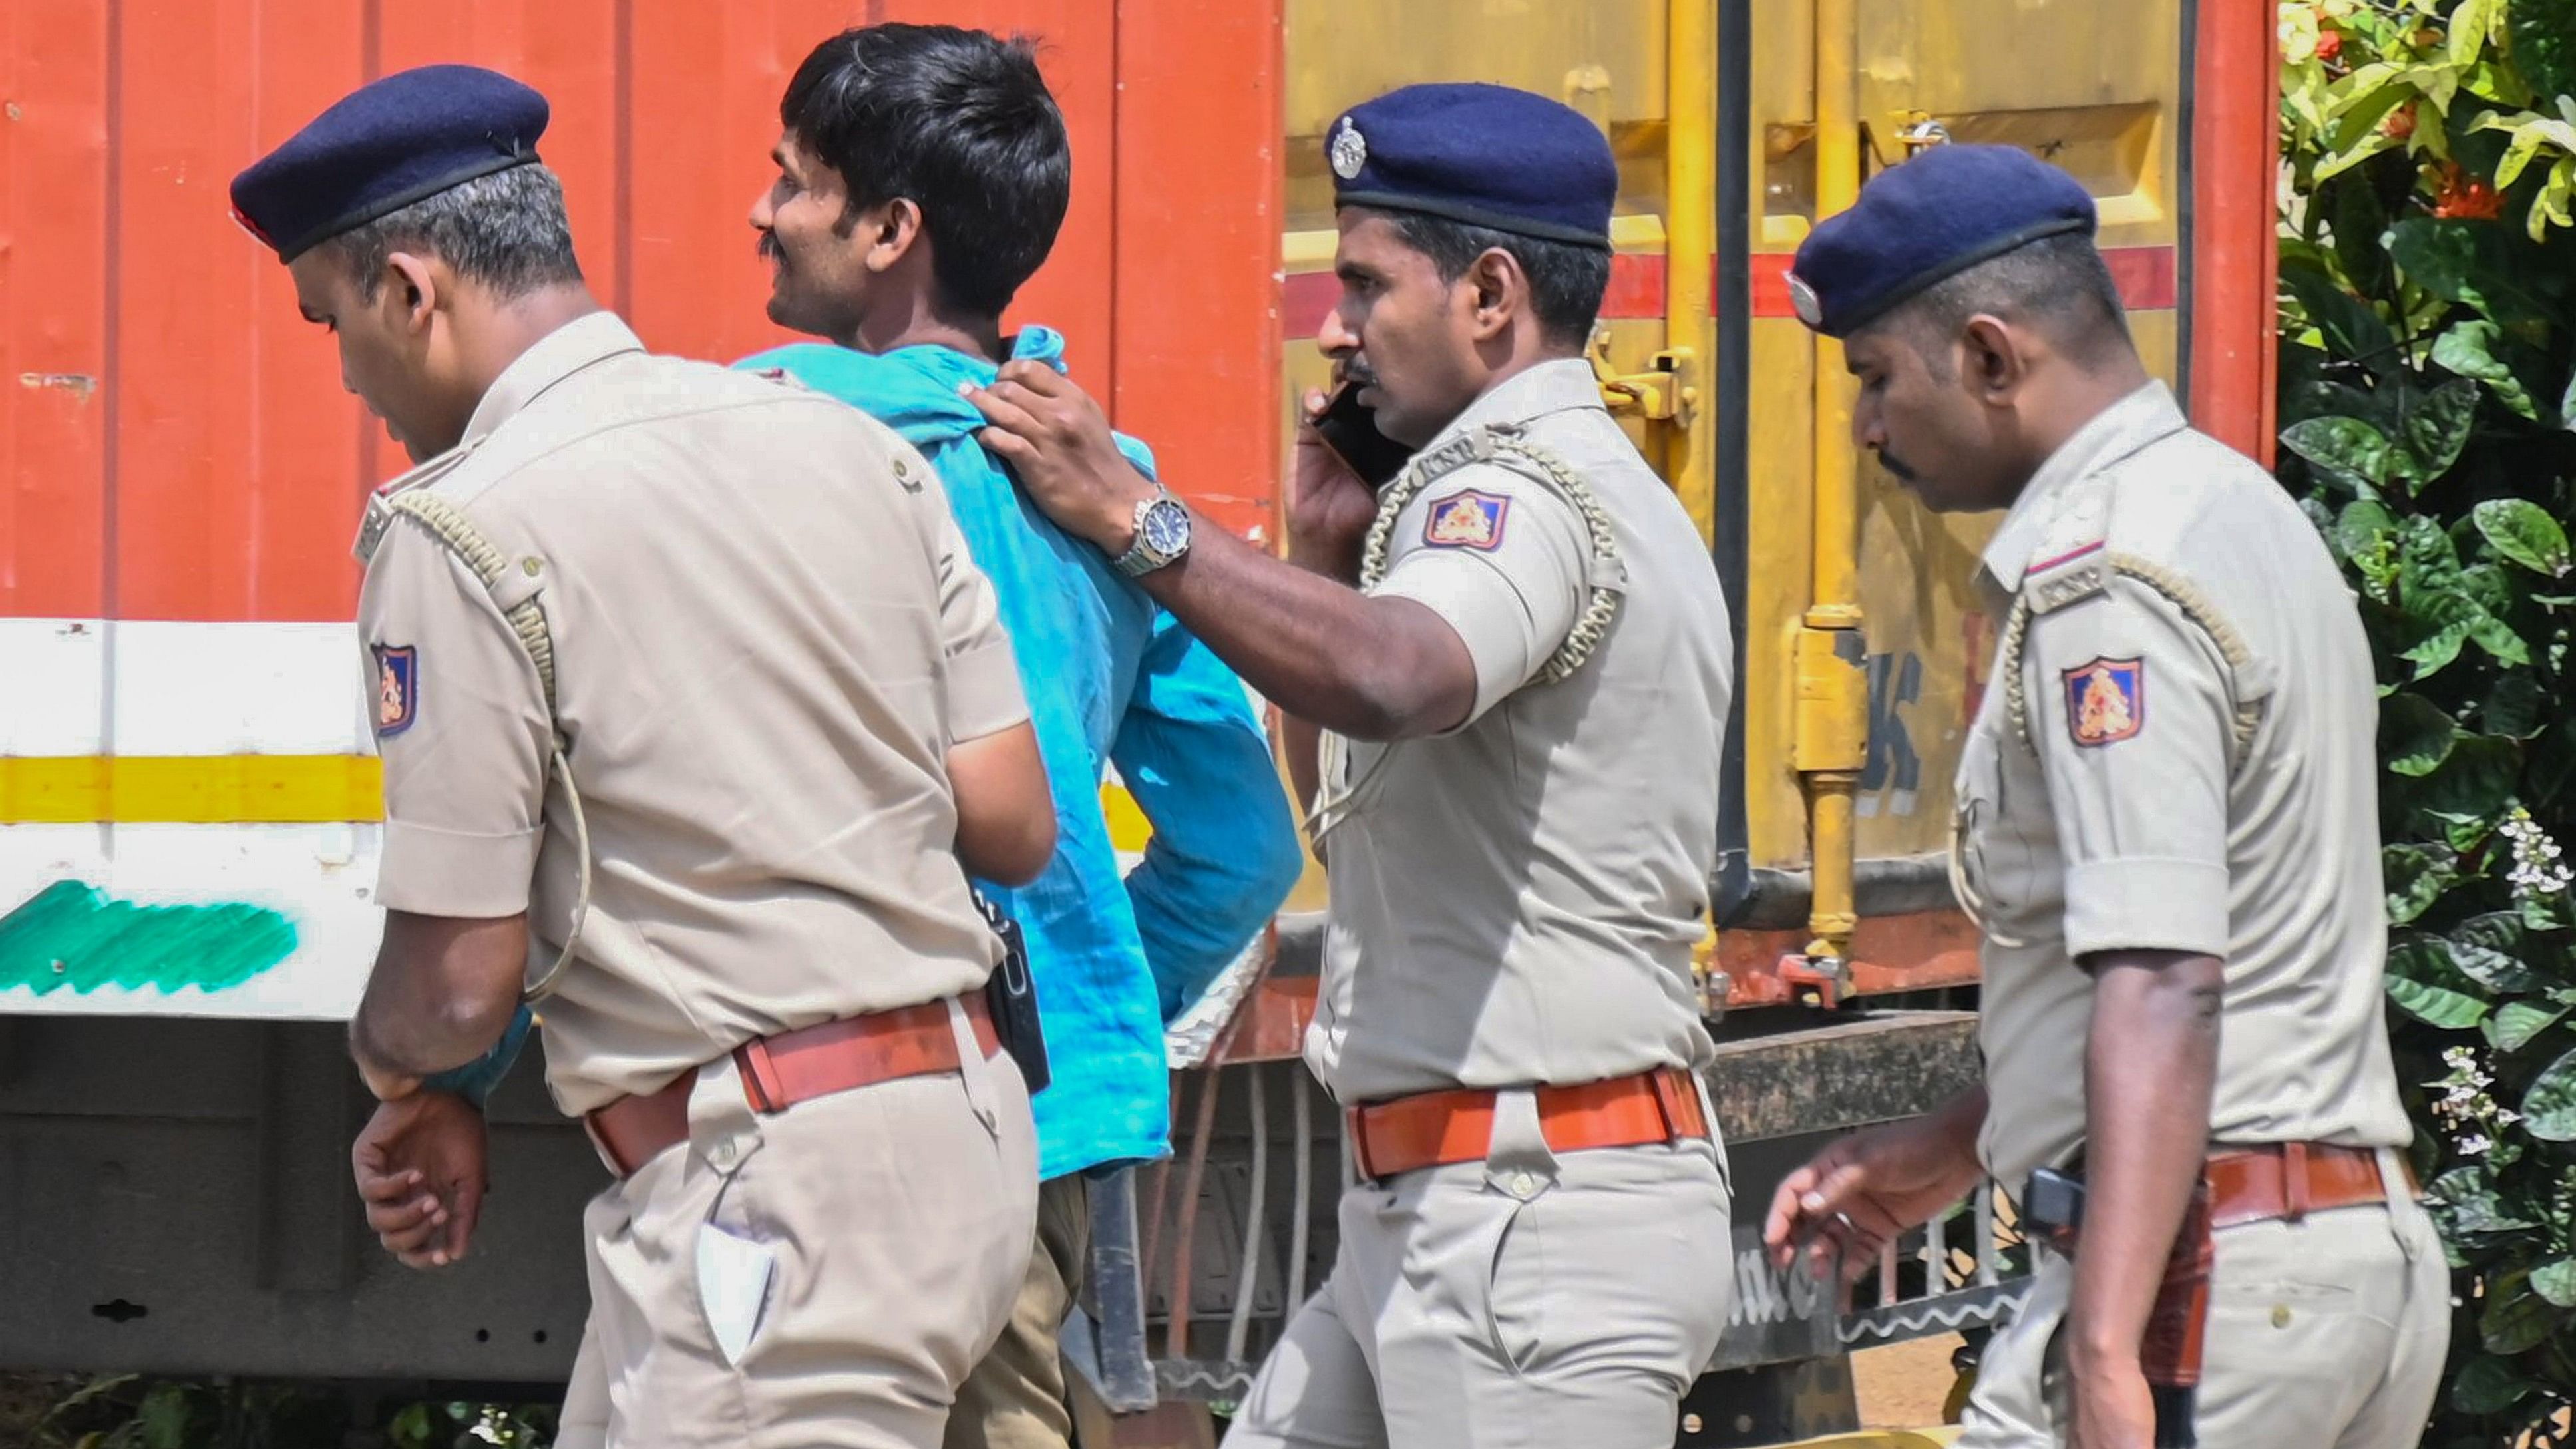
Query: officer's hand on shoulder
x,y
1058,442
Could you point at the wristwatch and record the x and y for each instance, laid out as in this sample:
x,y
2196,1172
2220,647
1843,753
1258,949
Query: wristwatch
x,y
1162,535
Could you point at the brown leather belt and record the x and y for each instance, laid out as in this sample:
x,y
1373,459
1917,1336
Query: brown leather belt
x,y
1439,1129
2290,1180
795,1066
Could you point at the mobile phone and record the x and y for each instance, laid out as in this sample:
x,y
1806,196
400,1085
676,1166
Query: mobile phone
x,y
1350,430
2053,1203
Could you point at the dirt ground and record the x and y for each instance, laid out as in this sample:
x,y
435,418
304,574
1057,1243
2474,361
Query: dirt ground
x,y
1903,1385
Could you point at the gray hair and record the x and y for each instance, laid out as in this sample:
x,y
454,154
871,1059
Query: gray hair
x,y
2058,284
506,230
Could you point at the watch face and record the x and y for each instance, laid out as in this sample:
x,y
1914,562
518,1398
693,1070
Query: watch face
x,y
1166,528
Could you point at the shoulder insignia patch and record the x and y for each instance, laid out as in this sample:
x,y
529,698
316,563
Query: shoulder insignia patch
x,y
2106,701
1467,520
397,688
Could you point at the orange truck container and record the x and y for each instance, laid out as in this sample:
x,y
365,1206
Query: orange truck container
x,y
187,794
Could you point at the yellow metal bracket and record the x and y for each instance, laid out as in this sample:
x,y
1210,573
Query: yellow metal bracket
x,y
1668,393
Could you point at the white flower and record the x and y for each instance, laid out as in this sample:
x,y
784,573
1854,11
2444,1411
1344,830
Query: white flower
x,y
2539,867
2474,1145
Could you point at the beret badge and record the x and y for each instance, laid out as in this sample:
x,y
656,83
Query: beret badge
x,y
1348,152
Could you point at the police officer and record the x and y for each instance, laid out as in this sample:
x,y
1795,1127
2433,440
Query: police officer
x,y
1522,657
689,701
2167,823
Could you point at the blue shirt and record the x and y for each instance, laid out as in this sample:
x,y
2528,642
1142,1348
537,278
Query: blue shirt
x,y
1112,678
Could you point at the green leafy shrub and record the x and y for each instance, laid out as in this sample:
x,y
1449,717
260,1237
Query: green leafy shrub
x,y
2428,278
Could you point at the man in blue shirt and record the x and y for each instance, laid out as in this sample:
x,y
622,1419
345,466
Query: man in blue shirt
x,y
922,175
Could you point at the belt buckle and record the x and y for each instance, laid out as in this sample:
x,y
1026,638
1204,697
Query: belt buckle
x,y
1668,1102
760,1085
1361,1167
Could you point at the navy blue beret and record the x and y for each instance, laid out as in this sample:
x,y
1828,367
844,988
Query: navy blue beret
x,y
1925,221
1483,154
382,147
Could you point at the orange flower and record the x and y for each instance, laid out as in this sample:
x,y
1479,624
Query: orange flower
x,y
2329,44
2400,123
2464,196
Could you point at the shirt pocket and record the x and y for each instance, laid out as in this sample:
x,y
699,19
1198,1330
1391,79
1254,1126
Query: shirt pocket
x,y
1974,829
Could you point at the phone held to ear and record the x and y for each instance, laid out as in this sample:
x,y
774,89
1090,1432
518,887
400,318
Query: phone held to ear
x,y
1350,430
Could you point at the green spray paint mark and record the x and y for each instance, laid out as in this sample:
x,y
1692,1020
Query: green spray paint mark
x,y
76,937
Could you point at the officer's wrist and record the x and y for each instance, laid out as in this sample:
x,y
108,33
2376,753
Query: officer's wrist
x,y
2094,1350
1113,532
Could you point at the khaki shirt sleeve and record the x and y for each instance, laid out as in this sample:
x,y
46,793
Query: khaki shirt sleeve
x,y
460,720
1501,558
2129,710
983,693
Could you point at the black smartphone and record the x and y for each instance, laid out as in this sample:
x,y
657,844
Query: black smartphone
x,y
2053,1203
1350,430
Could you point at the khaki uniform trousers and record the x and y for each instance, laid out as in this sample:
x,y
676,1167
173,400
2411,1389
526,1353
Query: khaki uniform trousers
x,y
2327,1333
1017,1396
901,1215
1530,1300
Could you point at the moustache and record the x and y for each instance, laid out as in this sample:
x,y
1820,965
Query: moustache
x,y
1896,466
768,248
1356,372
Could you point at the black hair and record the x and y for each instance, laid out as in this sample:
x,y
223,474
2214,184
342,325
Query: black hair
x,y
1566,279
507,231
2059,284
958,122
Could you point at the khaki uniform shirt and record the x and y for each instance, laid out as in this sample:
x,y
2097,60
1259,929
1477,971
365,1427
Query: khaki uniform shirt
x,y
1515,902
766,635
2171,798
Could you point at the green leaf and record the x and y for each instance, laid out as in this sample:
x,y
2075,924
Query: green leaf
x,y
2425,985
2515,707
2437,426
2369,107
2488,587
164,1417
2317,398
2487,1385
2465,261
2416,878
2347,449
2496,637
2543,43
2495,970
2516,1319
2435,651
2556,1281
2436,1006
2523,532
2343,161
2362,524
2470,349
2475,1203
2351,327
2549,1103
2516,1024
2414,734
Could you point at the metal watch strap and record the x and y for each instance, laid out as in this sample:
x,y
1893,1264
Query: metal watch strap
x,y
1141,557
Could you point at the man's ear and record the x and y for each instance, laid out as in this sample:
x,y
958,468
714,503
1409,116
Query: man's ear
x,y
1497,288
412,286
1991,359
890,232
